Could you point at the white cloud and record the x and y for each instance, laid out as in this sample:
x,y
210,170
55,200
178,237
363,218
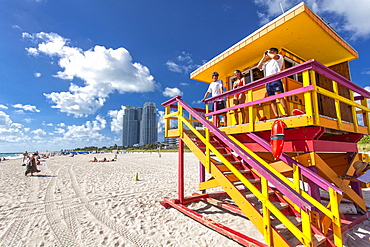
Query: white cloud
x,y
366,71
103,71
11,132
37,75
184,84
161,121
59,130
174,67
28,120
39,134
344,15
116,120
185,57
47,124
3,107
197,102
30,108
88,131
184,64
172,92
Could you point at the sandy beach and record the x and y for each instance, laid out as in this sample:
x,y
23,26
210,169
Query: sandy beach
x,y
74,202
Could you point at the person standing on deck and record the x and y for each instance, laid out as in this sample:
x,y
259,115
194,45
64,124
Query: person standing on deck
x,y
216,88
273,66
240,97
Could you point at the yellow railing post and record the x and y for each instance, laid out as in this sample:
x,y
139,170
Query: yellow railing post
x,y
208,153
307,98
336,218
167,121
180,116
354,115
316,114
337,105
296,178
250,111
365,115
266,212
306,227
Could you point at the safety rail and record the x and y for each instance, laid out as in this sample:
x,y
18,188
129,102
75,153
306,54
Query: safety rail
x,y
310,91
302,202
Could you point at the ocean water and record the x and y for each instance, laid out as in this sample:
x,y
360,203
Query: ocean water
x,y
11,156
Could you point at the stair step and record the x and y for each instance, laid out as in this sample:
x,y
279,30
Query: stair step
x,y
252,180
225,155
199,141
316,239
214,147
278,205
282,228
232,162
230,172
251,196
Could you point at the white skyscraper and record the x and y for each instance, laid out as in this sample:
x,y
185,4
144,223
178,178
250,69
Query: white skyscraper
x,y
131,126
139,125
148,126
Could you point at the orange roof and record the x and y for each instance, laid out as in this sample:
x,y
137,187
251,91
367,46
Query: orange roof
x,y
299,31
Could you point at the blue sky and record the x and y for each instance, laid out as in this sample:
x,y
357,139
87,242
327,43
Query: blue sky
x,y
68,68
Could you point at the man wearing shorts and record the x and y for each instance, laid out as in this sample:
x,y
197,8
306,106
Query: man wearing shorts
x,y
216,88
273,66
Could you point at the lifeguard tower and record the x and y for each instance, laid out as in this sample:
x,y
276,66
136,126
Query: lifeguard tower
x,y
297,199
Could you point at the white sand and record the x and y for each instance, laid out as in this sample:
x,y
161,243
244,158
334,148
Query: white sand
x,y
74,202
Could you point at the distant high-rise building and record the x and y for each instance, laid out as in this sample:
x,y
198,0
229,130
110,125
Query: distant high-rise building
x,y
148,125
131,126
139,125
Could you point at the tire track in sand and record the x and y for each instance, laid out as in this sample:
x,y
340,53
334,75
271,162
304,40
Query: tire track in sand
x,y
61,230
133,238
15,231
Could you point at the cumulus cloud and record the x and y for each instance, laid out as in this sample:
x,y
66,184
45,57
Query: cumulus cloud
x,y
172,92
3,107
116,119
37,75
28,120
161,121
88,131
30,108
11,132
39,134
103,71
344,15
182,64
184,84
366,71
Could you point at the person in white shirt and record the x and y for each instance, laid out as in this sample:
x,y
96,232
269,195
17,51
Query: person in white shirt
x,y
216,88
272,66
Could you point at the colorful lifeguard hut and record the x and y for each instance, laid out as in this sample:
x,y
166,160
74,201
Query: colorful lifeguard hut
x,y
297,199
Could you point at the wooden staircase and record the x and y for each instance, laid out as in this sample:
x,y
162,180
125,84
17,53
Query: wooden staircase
x,y
243,200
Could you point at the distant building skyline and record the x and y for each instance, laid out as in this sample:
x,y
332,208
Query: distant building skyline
x,y
148,124
139,125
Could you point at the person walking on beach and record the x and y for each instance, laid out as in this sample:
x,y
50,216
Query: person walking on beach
x,y
32,166
240,97
272,66
25,158
216,88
